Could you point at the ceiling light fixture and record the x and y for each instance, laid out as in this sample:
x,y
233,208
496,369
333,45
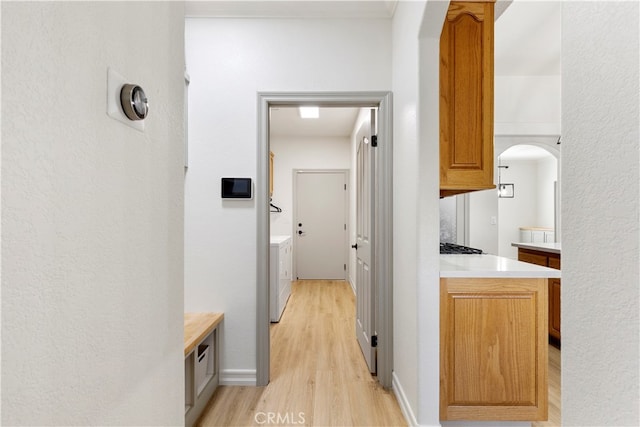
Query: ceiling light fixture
x,y
309,112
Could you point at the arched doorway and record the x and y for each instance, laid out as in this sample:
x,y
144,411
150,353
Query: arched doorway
x,y
531,204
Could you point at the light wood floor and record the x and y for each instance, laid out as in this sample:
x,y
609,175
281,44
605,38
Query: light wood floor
x,y
555,419
318,374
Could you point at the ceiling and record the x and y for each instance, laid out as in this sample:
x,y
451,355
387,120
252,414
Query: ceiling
x,y
528,39
291,9
333,121
527,42
525,152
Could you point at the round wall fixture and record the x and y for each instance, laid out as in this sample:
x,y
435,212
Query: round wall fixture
x,y
134,102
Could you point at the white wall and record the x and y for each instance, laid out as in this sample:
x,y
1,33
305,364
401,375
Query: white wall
x,y
301,153
483,220
600,211
533,196
230,61
547,170
527,105
427,233
527,80
521,210
406,25
92,254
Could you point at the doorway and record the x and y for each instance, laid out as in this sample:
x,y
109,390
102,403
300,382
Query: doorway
x,y
532,171
383,225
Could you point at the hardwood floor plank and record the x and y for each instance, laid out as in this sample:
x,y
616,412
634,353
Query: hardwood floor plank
x,y
555,417
318,374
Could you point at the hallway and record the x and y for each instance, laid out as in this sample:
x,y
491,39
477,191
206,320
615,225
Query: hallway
x,y
318,374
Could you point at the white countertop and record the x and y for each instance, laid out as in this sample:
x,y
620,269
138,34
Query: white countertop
x,y
276,240
491,266
553,248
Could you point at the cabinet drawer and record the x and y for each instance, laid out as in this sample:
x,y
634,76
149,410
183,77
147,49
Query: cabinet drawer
x,y
532,258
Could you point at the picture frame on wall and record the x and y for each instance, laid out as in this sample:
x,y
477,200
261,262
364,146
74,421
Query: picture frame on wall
x,y
506,191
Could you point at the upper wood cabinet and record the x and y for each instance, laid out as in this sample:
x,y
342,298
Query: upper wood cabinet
x,y
466,98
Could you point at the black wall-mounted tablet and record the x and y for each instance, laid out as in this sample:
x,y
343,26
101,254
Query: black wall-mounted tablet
x,y
237,188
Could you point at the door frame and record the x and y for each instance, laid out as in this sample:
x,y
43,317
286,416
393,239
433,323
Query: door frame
x,y
344,172
383,251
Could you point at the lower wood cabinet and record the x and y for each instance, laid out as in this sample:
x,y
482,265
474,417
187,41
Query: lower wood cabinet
x,y
493,349
551,260
554,308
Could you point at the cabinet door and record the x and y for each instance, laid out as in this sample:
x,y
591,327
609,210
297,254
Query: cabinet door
x,y
554,308
493,349
466,98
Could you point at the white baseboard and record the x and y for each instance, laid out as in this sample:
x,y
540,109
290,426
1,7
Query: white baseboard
x,y
238,377
409,416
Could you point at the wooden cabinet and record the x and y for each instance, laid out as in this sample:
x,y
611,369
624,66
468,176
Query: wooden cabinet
x,y
466,98
201,362
533,257
550,260
554,308
493,349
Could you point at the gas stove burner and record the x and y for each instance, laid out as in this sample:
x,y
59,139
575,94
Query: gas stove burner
x,y
451,248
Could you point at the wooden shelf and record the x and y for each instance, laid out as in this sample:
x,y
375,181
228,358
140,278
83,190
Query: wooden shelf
x,y
201,363
197,326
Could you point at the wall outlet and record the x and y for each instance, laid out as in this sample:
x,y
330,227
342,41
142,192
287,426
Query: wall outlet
x,y
494,220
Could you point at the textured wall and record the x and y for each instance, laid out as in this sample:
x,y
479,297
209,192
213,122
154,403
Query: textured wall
x,y
600,211
521,210
91,216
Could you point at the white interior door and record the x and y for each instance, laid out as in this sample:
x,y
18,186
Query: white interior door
x,y
320,225
365,293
